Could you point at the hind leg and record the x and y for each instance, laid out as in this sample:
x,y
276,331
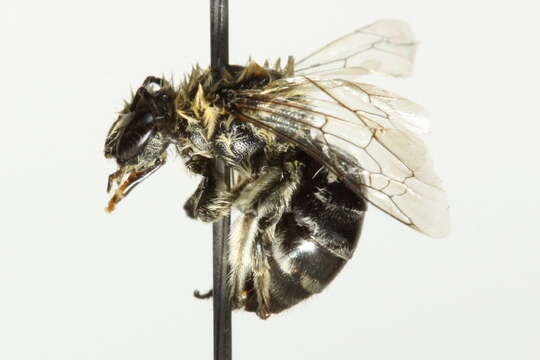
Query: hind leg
x,y
263,202
261,280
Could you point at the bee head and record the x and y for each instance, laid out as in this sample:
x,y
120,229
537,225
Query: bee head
x,y
138,139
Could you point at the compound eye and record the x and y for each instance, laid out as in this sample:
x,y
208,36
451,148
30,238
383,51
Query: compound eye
x,y
135,136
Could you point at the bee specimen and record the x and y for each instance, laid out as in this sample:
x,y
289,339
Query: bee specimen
x,y
309,147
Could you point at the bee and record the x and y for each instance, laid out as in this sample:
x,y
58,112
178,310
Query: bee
x,y
309,145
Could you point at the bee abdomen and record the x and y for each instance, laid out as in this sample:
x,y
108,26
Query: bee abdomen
x,y
312,243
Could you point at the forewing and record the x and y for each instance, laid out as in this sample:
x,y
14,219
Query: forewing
x,y
364,135
386,46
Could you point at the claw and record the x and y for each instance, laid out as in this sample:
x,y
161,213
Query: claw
x,y
263,313
206,295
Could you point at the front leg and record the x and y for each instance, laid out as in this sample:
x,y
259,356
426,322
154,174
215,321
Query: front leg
x,y
211,201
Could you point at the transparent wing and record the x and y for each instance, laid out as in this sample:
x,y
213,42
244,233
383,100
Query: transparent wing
x,y
364,135
386,46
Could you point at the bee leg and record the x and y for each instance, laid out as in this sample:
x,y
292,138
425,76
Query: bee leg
x,y
207,295
241,241
263,202
269,196
261,281
249,279
210,201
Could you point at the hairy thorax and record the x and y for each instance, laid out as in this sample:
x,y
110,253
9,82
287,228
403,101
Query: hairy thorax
x,y
206,129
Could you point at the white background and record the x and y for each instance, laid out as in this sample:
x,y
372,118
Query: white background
x,y
76,283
